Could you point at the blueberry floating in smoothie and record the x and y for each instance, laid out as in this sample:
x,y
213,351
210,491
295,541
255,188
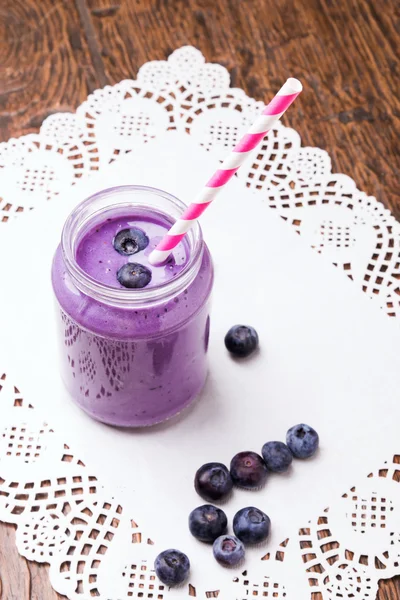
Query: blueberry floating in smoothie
x,y
302,440
172,567
228,550
134,275
106,247
207,522
277,456
248,470
251,525
213,482
241,340
130,241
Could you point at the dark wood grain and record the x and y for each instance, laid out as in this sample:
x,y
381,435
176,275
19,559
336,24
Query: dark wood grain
x,y
346,52
45,63
389,589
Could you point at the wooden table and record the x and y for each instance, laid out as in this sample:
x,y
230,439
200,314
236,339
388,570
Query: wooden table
x,y
54,52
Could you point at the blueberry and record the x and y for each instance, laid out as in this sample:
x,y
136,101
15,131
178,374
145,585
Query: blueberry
x,y
134,275
302,440
251,525
130,241
213,482
172,567
241,340
207,522
248,470
277,456
228,550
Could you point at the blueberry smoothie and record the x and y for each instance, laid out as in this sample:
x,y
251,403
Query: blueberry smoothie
x,y
134,337
107,248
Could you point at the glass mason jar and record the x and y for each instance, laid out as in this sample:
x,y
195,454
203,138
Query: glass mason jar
x,y
132,357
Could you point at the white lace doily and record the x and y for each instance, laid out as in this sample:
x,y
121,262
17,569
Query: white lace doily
x,y
67,519
64,515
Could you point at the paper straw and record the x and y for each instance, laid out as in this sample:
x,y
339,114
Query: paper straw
x,y
267,119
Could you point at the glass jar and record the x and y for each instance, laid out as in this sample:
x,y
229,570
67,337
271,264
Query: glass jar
x,y
132,357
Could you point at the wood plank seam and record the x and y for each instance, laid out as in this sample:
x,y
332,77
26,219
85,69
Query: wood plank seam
x,y
92,41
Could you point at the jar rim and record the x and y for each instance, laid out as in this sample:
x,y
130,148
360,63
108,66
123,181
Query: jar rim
x,y
78,220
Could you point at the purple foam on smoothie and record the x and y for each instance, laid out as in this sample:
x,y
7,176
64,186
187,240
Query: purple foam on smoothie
x,y
97,256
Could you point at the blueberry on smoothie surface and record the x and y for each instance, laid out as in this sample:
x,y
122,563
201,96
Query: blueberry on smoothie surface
x,y
105,248
251,525
302,440
172,567
207,522
277,456
248,470
130,241
241,340
134,275
213,482
228,550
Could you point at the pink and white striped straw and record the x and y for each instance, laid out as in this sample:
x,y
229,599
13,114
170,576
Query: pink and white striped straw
x,y
270,115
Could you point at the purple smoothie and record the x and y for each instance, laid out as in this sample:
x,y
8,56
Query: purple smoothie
x,y
131,357
97,256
